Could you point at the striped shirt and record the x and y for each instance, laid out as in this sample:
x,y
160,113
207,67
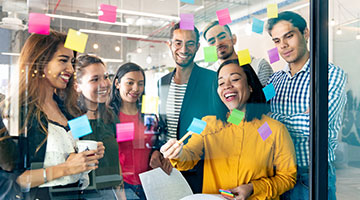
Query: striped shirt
x,y
292,100
173,107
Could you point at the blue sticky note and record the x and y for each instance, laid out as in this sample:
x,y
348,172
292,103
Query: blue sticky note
x,y
197,126
269,91
257,25
80,126
188,1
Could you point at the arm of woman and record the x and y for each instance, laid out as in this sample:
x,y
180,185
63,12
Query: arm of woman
x,y
75,164
285,168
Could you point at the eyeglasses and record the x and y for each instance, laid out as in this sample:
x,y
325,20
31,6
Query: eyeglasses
x,y
177,44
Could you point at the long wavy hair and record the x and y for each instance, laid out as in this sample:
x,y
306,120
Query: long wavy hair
x,y
37,52
84,61
115,100
256,105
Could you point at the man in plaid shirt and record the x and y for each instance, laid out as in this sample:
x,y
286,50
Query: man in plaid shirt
x,y
292,100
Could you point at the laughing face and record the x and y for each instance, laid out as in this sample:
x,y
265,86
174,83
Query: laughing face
x,y
224,42
59,70
233,88
131,86
94,83
183,47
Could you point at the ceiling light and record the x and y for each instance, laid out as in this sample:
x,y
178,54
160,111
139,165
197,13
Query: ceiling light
x,y
10,54
332,22
358,36
117,48
107,60
86,19
131,12
95,46
113,33
339,31
139,50
148,59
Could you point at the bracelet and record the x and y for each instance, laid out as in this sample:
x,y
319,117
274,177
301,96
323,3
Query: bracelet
x,y
44,175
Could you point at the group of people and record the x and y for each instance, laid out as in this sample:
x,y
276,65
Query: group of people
x,y
57,86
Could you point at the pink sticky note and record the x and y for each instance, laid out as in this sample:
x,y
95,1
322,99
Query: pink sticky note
x,y
186,21
39,24
273,55
124,131
223,16
108,13
265,131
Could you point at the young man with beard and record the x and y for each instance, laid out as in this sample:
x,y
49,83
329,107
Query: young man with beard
x,y
291,103
224,41
187,92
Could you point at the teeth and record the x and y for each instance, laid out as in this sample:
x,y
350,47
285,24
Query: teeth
x,y
102,92
229,95
182,56
66,77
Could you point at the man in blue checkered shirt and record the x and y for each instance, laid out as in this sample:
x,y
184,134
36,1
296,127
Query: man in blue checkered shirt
x,y
292,100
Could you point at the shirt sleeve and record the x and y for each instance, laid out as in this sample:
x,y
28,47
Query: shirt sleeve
x,y
265,71
285,169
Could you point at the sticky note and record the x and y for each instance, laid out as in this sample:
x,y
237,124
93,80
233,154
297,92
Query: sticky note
x,y
125,131
210,54
149,104
80,126
236,116
272,10
188,1
76,40
197,126
39,24
244,57
225,191
265,131
186,21
269,91
227,194
273,55
223,16
108,13
257,25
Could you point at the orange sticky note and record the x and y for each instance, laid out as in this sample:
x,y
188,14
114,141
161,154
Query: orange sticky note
x,y
76,40
272,10
244,57
150,104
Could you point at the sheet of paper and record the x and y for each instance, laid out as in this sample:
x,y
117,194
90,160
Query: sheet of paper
x,y
244,57
210,54
257,25
160,186
125,131
223,16
272,10
76,41
39,23
273,55
236,116
80,126
203,197
186,21
197,126
108,13
265,131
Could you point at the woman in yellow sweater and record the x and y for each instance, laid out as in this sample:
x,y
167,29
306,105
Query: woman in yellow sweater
x,y
237,157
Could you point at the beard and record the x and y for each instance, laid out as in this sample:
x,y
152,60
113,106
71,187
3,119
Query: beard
x,y
224,55
185,64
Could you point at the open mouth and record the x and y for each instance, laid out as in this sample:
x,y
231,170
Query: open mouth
x,y
230,96
65,77
102,92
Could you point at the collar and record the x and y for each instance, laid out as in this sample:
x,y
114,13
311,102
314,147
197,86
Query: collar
x,y
305,68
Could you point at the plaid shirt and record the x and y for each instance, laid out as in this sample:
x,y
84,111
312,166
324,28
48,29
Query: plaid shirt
x,y
292,100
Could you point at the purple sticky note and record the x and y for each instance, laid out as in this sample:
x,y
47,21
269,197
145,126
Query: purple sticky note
x,y
223,16
39,23
108,13
124,131
186,21
265,131
273,55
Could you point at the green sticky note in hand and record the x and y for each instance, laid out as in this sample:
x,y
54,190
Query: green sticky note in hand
x,y
210,54
236,116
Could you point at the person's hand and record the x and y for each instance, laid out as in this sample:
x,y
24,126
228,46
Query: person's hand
x,y
242,192
171,149
100,150
81,162
157,160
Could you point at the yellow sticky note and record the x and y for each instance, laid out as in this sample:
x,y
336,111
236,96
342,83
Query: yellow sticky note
x,y
76,40
272,10
244,57
150,104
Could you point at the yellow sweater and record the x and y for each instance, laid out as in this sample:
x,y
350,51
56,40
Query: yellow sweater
x,y
236,155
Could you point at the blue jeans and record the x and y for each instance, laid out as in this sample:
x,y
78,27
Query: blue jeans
x,y
301,189
133,192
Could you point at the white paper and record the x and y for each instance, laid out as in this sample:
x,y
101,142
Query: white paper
x,y
203,197
160,186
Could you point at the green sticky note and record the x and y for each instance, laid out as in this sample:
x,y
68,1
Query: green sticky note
x,y
210,54
236,116
244,57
